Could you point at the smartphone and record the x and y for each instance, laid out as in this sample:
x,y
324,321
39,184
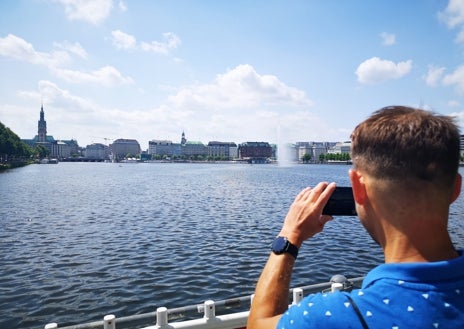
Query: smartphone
x,y
341,203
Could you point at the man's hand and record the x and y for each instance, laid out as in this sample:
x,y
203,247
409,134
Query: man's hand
x,y
304,218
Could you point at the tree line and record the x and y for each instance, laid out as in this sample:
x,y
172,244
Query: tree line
x,y
14,152
307,157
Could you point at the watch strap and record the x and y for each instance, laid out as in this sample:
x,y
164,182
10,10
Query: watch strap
x,y
281,245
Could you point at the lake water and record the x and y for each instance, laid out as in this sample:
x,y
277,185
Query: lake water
x,y
82,240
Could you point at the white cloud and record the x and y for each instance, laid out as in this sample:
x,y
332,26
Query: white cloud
x,y
453,16
376,70
459,117
17,48
171,41
456,78
122,6
434,75
388,39
74,48
123,40
107,76
243,104
241,87
50,94
92,11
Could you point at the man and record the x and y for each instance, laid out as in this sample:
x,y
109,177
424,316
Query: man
x,y
404,179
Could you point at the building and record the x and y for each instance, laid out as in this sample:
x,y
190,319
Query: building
x,y
340,148
41,138
97,151
462,145
186,150
164,149
255,151
42,127
122,148
60,149
223,150
314,149
194,150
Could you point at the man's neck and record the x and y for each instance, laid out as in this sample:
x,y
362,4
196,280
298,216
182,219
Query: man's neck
x,y
401,249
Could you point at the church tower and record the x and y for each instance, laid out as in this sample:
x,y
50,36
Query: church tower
x,y
183,140
42,127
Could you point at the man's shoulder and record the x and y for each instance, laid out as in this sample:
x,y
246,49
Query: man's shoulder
x,y
435,273
327,310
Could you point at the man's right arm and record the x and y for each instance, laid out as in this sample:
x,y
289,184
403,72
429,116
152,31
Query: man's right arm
x,y
304,219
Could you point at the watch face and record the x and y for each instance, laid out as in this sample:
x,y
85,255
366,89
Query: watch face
x,y
279,245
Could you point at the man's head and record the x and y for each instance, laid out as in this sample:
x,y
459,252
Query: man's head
x,y
404,179
399,143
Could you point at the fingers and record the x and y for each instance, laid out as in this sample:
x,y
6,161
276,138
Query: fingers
x,y
325,194
304,218
319,194
323,219
303,194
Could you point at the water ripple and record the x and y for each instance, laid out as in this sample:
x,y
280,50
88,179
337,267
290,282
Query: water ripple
x,y
79,241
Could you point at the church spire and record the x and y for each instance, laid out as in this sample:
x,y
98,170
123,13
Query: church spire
x,y
42,127
183,139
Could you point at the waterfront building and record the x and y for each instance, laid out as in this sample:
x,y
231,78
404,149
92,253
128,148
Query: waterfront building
x,y
225,150
462,145
194,150
255,151
340,148
97,151
57,148
121,148
42,127
164,149
60,150
188,150
314,149
303,148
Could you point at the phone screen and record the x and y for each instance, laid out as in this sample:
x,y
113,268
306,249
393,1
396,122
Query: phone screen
x,y
341,203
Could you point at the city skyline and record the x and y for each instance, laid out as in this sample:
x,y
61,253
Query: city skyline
x,y
42,136
228,71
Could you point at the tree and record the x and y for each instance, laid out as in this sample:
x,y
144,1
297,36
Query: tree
x,y
11,145
306,157
41,151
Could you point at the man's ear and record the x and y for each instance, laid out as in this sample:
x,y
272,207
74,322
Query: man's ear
x,y
358,185
457,187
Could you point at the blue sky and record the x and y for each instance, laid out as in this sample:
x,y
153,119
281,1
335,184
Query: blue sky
x,y
262,70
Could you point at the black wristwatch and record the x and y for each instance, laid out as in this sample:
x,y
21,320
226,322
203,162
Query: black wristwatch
x,y
282,245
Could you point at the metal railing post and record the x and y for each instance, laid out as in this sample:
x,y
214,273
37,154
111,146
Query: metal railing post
x,y
210,309
161,317
109,321
52,325
336,287
297,295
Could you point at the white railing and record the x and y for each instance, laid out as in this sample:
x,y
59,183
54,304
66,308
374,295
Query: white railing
x,y
209,320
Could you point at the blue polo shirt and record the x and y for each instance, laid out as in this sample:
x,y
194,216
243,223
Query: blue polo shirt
x,y
393,296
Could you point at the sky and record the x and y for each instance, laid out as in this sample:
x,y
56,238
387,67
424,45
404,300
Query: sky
x,y
232,71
